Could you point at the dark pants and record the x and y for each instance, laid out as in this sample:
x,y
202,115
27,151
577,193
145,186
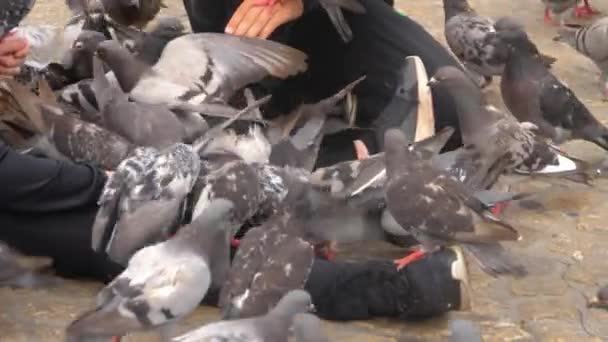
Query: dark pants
x,y
382,40
341,291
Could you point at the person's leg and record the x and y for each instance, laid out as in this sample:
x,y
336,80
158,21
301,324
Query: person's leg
x,y
382,40
64,236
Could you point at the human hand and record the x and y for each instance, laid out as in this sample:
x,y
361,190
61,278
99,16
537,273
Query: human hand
x,y
259,18
13,51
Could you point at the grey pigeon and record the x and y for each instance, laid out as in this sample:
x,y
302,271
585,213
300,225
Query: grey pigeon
x,y
268,263
274,326
162,283
301,148
132,12
144,200
472,39
591,41
494,141
307,328
533,94
141,123
202,67
12,12
438,210
14,275
148,46
334,10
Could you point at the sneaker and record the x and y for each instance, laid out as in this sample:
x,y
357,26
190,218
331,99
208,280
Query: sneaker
x,y
362,290
411,107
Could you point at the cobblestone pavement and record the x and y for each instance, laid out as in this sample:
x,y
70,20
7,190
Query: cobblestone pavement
x,y
565,235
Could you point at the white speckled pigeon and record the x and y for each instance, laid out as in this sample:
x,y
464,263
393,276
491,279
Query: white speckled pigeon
x,y
144,200
162,283
472,39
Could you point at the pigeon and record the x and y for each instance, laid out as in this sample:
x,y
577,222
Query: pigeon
x,y
144,199
307,328
268,263
591,41
136,13
438,210
274,326
533,94
601,299
148,46
494,141
141,123
162,283
301,148
14,275
201,67
11,14
472,39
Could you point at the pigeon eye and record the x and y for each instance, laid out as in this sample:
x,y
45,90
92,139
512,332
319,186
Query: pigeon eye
x,y
78,45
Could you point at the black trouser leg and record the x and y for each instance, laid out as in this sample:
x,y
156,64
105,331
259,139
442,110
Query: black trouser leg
x,y
63,236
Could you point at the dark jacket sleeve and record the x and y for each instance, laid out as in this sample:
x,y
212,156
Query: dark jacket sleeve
x,y
37,185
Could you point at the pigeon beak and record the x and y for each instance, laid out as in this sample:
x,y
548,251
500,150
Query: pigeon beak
x,y
432,82
312,308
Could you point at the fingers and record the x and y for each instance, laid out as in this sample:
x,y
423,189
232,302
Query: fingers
x,y
262,21
274,22
9,71
11,45
249,21
239,15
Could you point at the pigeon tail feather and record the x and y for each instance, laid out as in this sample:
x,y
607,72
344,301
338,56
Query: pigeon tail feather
x,y
495,260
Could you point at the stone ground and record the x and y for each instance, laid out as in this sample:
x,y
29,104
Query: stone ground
x,y
565,237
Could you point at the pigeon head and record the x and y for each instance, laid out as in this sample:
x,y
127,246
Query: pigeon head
x,y
454,7
168,27
519,41
509,24
126,67
601,299
397,151
79,58
294,302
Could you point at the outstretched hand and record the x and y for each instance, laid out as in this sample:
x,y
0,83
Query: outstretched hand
x,y
13,51
260,18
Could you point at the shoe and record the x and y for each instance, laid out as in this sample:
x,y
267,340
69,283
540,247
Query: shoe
x,y
411,107
438,283
362,290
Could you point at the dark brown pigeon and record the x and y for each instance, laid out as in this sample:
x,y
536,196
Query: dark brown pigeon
x,y
439,211
533,94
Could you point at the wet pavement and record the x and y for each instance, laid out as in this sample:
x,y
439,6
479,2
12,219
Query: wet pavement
x,y
564,227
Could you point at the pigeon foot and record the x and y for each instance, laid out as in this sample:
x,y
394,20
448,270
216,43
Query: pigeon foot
x,y
499,207
417,255
116,338
235,243
548,19
361,150
585,11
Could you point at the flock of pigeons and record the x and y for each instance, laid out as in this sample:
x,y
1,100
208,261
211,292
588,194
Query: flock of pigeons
x,y
190,171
